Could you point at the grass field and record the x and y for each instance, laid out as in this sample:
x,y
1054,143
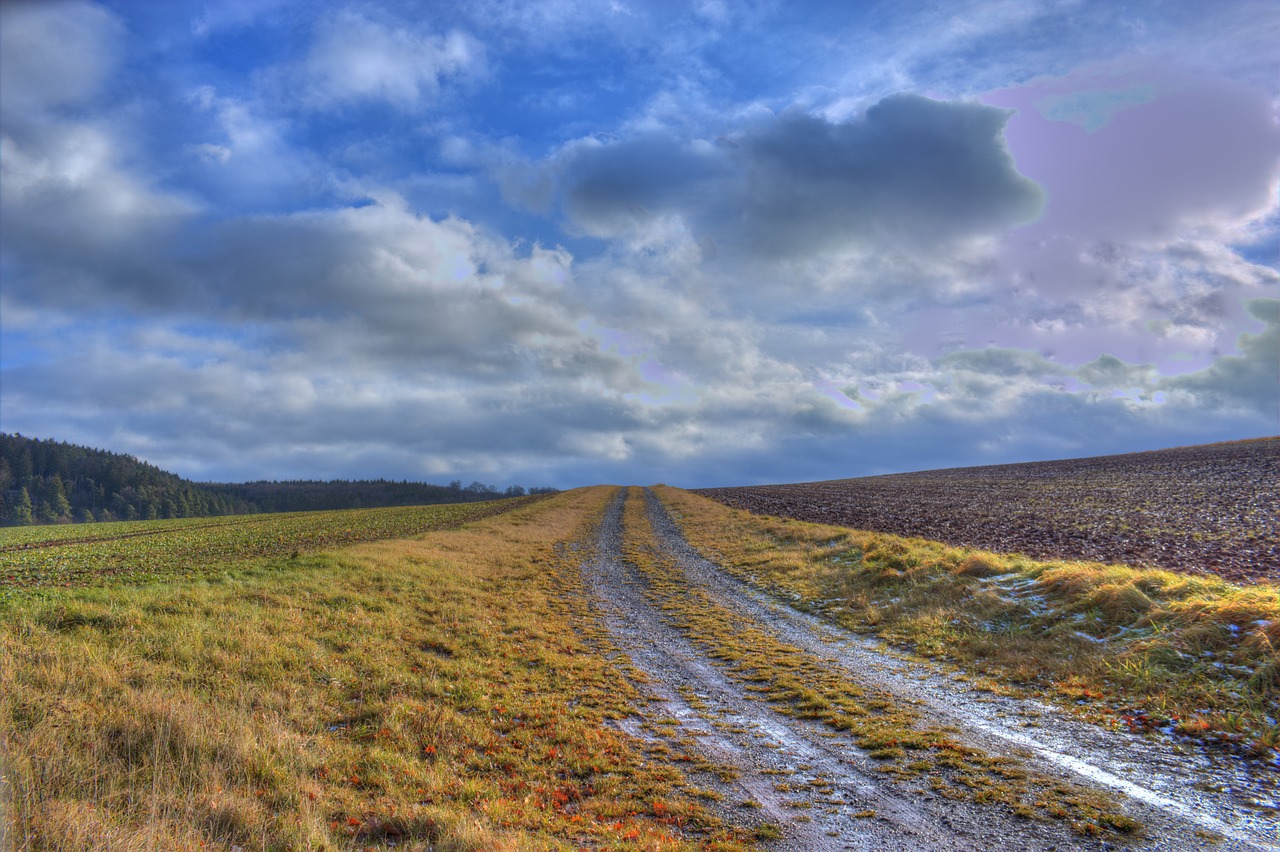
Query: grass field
x,y
430,693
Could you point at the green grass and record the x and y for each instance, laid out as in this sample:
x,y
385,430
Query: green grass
x,y
1127,647
43,534
146,551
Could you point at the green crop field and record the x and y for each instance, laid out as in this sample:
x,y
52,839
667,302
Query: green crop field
x,y
133,551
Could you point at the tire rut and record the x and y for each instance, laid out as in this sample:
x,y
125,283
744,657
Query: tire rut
x,y
1178,792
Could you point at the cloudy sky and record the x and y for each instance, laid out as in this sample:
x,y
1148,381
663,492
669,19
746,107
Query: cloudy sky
x,y
567,242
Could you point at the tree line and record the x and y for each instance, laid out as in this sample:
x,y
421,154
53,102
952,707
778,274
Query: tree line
x,y
313,495
53,482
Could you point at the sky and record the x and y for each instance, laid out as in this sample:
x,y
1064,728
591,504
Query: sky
x,y
703,243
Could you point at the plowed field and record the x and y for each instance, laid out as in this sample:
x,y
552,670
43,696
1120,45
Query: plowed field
x,y
1210,509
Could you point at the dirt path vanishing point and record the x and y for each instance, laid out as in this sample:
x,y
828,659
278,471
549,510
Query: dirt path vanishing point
x,y
826,793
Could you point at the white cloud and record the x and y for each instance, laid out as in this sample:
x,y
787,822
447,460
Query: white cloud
x,y
713,11
218,16
354,58
75,176
1140,154
210,153
247,133
1153,176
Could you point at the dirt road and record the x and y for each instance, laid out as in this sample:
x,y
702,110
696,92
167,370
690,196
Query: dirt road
x,y
823,792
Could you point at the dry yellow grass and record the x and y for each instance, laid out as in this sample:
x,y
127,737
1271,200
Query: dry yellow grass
x,y
430,693
1138,646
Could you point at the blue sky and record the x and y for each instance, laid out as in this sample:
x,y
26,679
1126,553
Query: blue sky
x,y
704,243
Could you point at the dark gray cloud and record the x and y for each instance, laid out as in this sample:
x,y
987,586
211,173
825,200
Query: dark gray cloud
x,y
911,169
54,55
614,187
80,228
79,221
911,173
378,282
1108,372
1006,363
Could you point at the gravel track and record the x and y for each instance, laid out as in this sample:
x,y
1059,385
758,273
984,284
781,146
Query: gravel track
x,y
828,781
765,747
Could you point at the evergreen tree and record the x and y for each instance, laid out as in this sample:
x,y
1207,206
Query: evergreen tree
x,y
20,513
56,498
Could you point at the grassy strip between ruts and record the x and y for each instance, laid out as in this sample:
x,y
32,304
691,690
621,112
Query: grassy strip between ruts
x,y
800,685
431,694
1132,648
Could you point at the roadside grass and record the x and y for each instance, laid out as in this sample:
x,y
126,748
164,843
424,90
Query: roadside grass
x,y
424,694
1128,647
798,684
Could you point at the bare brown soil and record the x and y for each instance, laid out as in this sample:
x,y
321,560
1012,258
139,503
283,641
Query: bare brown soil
x,y
1211,509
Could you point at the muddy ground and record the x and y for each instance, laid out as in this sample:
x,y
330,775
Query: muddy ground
x,y
825,793
1206,509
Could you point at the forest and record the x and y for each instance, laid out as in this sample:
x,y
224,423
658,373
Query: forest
x,y
43,481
